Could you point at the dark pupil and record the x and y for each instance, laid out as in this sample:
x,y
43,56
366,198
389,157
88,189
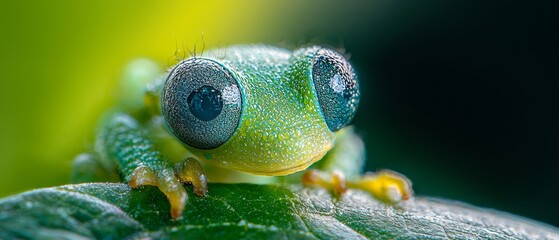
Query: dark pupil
x,y
205,103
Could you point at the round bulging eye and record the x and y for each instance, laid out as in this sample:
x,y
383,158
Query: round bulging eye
x,y
336,88
201,103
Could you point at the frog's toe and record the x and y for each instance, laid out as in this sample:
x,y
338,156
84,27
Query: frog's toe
x,y
141,176
191,172
334,182
386,186
166,182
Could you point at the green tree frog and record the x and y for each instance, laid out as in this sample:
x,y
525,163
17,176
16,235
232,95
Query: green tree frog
x,y
255,109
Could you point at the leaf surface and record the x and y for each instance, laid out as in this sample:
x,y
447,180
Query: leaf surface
x,y
236,211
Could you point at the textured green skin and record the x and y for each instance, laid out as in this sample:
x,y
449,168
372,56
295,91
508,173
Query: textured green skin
x,y
281,129
125,142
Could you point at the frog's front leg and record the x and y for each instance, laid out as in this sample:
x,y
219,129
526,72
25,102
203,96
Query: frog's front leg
x,y
125,142
341,170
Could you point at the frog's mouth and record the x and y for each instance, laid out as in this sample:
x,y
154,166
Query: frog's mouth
x,y
290,169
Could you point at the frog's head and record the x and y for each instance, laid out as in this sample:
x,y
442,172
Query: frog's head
x,y
259,109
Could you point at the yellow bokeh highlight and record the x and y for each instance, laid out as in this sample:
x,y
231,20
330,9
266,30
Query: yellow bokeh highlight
x,y
61,62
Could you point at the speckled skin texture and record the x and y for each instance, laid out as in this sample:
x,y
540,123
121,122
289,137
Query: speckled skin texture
x,y
281,128
124,142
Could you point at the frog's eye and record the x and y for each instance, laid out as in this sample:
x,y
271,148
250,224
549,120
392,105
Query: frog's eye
x,y
201,103
336,88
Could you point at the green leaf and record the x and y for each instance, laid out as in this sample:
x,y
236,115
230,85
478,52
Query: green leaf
x,y
233,211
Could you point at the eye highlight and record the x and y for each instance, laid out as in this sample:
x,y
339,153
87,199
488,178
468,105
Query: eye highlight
x,y
336,88
201,103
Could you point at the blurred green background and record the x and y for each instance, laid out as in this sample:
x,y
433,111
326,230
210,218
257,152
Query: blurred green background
x,y
460,97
